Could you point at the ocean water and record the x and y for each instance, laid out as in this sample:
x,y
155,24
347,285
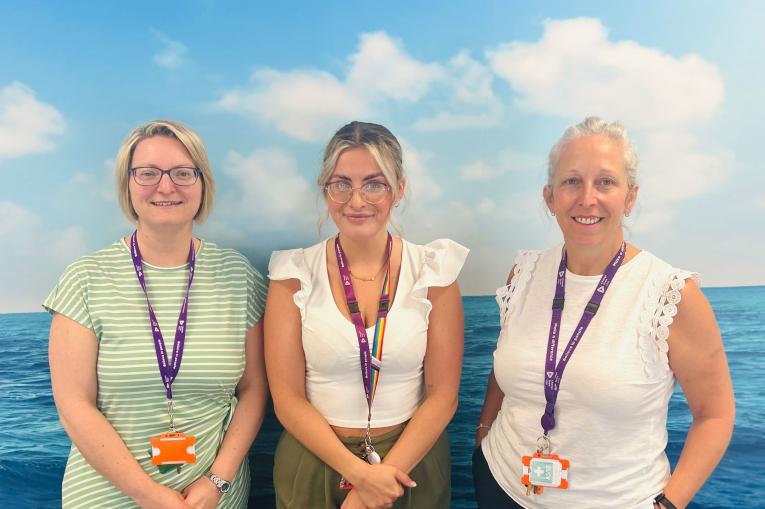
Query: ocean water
x,y
34,447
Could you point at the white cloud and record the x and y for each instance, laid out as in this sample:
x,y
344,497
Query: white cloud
x,y
423,188
478,170
100,183
271,194
173,53
26,124
32,257
310,104
447,121
382,67
306,104
673,168
507,161
472,103
574,70
472,80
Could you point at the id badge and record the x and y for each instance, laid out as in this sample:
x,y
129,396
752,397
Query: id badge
x,y
173,448
544,471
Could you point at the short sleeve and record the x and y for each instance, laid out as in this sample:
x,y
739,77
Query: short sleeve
x,y
292,264
257,291
70,296
523,267
658,313
442,262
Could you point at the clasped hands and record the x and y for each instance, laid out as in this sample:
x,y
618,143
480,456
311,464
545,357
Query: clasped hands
x,y
377,487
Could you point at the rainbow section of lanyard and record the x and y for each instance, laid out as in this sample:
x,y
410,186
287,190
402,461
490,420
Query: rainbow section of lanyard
x,y
370,361
377,342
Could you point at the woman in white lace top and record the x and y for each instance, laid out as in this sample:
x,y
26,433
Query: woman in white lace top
x,y
595,333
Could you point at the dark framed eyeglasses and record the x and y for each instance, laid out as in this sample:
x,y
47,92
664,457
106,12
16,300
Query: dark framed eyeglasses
x,y
180,175
371,192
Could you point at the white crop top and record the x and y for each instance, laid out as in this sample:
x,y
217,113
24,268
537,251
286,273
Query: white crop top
x,y
611,412
333,376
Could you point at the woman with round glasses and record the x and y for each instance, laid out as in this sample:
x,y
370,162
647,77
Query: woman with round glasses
x,y
364,345
155,351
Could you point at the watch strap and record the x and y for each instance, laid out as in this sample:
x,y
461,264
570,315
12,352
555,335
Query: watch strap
x,y
663,500
222,484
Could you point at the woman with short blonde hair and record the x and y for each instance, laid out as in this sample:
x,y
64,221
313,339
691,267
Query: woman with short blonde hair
x,y
155,349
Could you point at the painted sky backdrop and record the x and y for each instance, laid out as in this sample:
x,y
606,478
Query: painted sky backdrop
x,y
476,92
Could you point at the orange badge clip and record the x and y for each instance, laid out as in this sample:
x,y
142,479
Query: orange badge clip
x,y
544,471
173,449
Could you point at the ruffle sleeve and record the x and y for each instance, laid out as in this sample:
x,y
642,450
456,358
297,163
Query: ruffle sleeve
x,y
292,264
442,262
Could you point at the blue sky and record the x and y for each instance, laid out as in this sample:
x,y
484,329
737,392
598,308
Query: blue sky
x,y
477,93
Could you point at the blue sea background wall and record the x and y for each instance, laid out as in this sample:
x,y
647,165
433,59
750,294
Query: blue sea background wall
x,y
34,447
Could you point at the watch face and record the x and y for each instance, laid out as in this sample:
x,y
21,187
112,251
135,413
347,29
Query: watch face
x,y
225,486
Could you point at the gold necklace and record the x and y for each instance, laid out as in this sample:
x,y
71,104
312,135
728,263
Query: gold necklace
x,y
369,280
366,280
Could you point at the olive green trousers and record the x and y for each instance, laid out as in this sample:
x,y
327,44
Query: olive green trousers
x,y
303,481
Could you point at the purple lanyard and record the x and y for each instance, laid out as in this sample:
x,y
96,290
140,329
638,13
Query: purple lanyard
x,y
553,373
168,371
365,357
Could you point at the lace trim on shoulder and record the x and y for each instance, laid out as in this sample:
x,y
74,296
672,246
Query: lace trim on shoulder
x,y
523,267
659,310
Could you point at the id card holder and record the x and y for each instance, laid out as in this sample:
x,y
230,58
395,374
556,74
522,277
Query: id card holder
x,y
544,471
173,448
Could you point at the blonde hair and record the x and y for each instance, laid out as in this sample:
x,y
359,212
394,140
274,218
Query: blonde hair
x,y
194,146
378,140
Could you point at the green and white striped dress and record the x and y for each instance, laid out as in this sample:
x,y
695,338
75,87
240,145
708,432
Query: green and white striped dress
x,y
102,293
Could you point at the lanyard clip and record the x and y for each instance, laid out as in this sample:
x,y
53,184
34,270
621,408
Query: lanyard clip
x,y
543,444
591,307
170,414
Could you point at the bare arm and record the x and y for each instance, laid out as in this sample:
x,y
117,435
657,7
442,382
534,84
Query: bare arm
x,y
251,391
72,352
443,365
285,365
697,357
491,405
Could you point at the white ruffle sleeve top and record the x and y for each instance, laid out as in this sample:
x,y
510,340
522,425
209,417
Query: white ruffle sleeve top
x,y
333,376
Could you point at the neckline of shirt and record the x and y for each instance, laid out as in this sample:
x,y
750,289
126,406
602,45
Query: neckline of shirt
x,y
123,245
580,277
325,281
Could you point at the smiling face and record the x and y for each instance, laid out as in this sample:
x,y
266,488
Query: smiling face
x,y
589,192
164,204
357,218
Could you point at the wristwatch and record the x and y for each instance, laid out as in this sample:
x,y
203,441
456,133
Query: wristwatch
x,y
222,485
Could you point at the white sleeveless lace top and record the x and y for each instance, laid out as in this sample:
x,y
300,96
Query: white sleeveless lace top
x,y
611,412
333,376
